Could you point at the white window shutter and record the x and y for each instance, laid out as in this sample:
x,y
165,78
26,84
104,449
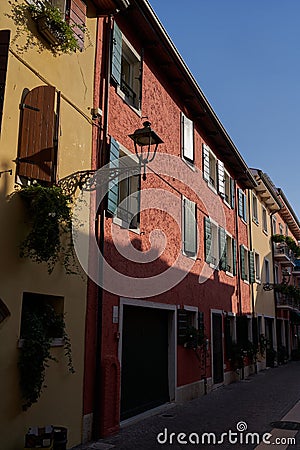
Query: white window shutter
x,y
221,180
187,138
205,153
190,228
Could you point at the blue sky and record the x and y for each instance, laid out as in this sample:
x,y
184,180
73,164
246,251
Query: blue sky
x,y
245,56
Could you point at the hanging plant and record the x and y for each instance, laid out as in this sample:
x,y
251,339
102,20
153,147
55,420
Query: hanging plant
x,y
40,324
50,237
49,19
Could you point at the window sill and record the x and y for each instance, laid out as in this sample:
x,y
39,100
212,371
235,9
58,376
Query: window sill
x,y
229,274
255,221
122,224
257,281
212,188
194,257
125,100
246,282
56,342
265,232
244,221
226,203
190,164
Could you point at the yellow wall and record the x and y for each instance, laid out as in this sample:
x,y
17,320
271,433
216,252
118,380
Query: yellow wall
x,y
61,401
261,244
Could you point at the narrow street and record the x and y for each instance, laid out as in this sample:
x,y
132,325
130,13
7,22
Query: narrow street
x,y
270,396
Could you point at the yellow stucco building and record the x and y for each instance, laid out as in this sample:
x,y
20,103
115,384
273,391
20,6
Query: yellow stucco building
x,y
46,135
263,203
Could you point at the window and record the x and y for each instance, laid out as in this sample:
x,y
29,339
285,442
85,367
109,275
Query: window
x,y
276,274
189,234
244,260
187,319
126,69
40,305
229,189
4,45
264,219
74,12
38,135
209,167
286,230
280,229
267,270
274,225
254,208
211,242
124,190
187,138
242,205
230,254
257,267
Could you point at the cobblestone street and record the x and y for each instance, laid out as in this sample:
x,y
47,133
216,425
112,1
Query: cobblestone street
x,y
264,398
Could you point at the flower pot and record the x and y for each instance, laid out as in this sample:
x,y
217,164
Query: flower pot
x,y
47,31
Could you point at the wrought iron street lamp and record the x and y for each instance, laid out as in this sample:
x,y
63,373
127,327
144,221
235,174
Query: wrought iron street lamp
x,y
286,275
145,138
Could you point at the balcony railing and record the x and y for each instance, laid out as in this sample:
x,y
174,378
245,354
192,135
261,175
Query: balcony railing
x,y
283,253
286,300
296,269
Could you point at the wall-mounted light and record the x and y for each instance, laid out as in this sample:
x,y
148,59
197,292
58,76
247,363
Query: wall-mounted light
x,y
145,138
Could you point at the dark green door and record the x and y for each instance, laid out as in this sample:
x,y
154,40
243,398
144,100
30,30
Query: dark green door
x,y
218,369
144,373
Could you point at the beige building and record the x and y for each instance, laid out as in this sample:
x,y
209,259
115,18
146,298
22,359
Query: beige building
x,y
263,203
46,135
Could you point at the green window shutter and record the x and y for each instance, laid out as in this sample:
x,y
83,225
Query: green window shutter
x,y
222,249
242,259
113,186
116,60
205,163
251,267
232,193
244,208
234,256
240,200
189,227
207,239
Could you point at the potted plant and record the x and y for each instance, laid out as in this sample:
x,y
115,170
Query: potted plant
x,y
51,24
40,325
278,238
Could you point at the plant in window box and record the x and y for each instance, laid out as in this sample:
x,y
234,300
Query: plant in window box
x,y
50,23
50,237
40,325
278,238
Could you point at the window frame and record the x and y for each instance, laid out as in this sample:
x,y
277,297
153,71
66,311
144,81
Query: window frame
x,y
264,219
255,209
257,267
187,125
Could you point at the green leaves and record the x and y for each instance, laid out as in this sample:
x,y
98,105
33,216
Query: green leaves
x,y
40,324
50,216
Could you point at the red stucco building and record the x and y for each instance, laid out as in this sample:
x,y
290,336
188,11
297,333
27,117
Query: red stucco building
x,y
192,274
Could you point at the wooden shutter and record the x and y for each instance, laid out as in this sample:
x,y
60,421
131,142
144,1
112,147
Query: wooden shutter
x,y
4,45
77,18
221,180
116,60
251,268
205,165
234,256
187,133
242,259
222,249
189,227
113,186
36,144
232,193
207,239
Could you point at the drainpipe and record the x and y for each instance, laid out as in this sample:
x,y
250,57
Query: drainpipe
x,y
99,224
238,274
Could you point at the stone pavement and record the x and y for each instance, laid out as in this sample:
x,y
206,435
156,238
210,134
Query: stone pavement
x,y
254,403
